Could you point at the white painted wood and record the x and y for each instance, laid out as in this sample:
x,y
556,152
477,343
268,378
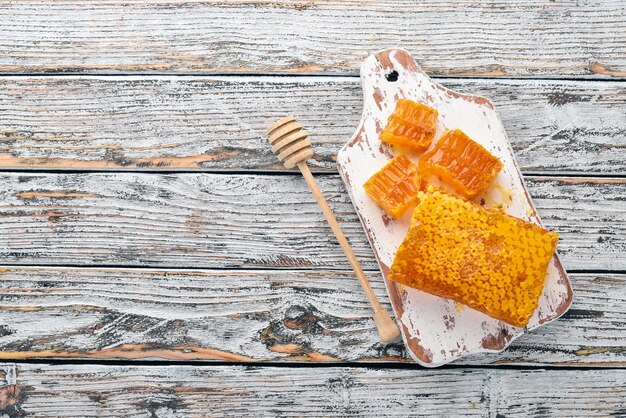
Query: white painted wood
x,y
494,38
212,123
435,330
257,221
275,315
170,123
80,390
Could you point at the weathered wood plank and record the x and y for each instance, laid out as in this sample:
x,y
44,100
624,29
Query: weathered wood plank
x,y
531,38
235,221
311,315
81,390
203,123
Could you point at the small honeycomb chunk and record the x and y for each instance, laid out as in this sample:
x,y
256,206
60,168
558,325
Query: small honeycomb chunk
x,y
484,259
411,126
394,188
462,163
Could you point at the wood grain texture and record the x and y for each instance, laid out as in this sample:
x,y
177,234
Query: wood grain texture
x,y
494,38
198,123
309,315
240,221
90,390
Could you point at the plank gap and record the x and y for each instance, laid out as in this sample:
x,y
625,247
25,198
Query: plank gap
x,y
150,267
287,76
373,365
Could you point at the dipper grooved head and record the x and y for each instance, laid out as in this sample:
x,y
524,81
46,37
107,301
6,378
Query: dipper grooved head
x,y
289,141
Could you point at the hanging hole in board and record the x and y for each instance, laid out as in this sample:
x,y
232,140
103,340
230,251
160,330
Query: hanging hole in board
x,y
392,76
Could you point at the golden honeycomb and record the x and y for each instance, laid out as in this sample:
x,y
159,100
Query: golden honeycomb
x,y
411,126
394,187
484,259
461,163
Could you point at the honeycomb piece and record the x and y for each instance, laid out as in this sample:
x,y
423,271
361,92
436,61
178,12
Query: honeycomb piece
x,y
461,163
484,259
411,126
394,188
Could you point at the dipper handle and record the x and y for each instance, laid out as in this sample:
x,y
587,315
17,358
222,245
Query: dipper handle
x,y
290,143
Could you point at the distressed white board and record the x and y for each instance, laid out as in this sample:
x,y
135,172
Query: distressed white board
x,y
94,390
436,330
165,123
540,38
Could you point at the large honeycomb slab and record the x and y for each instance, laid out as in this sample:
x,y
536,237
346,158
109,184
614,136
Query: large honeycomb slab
x,y
484,259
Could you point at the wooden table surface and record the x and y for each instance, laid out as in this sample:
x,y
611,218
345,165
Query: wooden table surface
x,y
155,260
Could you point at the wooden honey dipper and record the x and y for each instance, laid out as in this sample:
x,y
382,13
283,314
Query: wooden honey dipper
x,y
290,143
